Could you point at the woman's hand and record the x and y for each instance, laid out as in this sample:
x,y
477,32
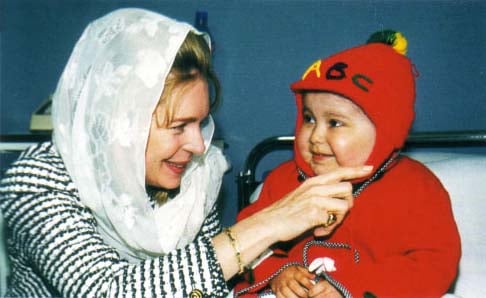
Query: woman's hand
x,y
293,281
311,204
306,207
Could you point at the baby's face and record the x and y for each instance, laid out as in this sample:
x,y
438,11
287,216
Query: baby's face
x,y
335,132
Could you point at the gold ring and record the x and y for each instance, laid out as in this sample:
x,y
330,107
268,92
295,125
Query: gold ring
x,y
196,293
331,218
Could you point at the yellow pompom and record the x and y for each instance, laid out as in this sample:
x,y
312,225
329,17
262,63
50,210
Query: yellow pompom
x,y
400,43
392,38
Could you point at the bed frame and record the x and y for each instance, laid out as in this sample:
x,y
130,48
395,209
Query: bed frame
x,y
247,182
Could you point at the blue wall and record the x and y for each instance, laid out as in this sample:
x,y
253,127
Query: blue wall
x,y
262,46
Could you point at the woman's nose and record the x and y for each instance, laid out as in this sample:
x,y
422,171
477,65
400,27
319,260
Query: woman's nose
x,y
195,142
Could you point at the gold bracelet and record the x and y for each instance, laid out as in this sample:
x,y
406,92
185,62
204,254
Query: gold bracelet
x,y
235,245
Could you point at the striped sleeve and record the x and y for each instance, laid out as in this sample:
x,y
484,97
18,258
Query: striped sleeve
x,y
55,249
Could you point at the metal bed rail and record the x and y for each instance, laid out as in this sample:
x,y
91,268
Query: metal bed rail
x,y
19,142
246,181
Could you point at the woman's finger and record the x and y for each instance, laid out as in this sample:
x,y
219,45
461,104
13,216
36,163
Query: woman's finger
x,y
315,185
341,190
341,174
309,205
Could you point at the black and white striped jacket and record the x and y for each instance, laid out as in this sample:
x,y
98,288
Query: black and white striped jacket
x,y
55,250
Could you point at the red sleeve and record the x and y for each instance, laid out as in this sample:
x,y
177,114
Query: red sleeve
x,y
416,240
279,182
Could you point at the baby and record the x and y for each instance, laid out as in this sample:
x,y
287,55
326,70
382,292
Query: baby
x,y
400,238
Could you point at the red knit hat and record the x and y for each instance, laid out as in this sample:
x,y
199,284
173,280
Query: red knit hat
x,y
377,77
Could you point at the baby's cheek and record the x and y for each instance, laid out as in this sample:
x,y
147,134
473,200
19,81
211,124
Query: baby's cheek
x,y
302,143
306,155
353,159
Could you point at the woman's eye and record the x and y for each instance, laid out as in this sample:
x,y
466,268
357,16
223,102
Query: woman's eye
x,y
204,122
179,128
335,123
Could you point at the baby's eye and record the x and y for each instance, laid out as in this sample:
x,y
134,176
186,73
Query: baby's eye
x,y
335,123
308,119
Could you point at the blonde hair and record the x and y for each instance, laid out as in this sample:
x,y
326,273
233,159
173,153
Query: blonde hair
x,y
193,61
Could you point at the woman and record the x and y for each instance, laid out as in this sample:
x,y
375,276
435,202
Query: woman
x,y
122,202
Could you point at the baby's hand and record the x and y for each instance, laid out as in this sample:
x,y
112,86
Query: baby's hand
x,y
292,281
324,289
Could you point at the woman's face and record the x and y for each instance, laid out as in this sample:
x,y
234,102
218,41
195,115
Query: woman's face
x,y
170,148
335,132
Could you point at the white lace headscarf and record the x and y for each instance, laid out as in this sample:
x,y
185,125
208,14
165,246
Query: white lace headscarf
x,y
102,109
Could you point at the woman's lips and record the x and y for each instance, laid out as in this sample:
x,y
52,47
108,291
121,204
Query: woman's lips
x,y
177,167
